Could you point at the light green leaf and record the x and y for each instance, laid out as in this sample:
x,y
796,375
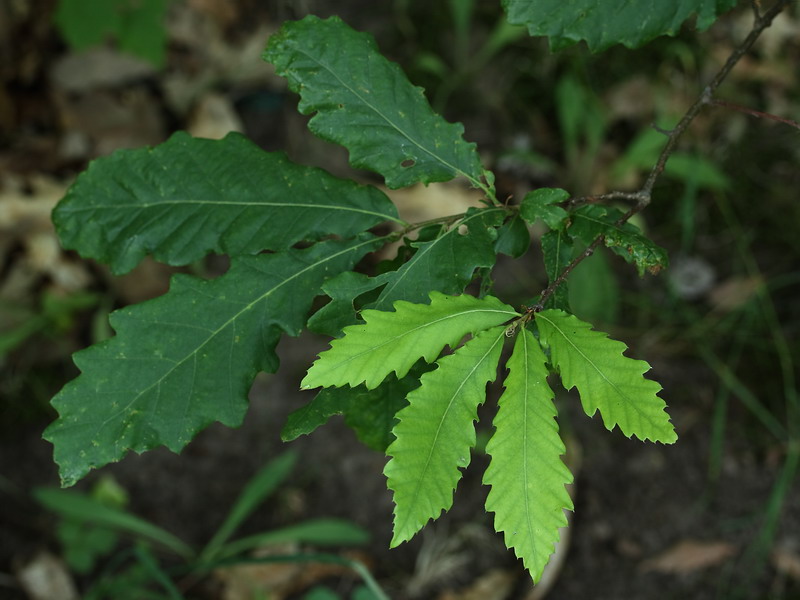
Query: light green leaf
x,y
188,358
447,263
527,476
436,432
594,291
189,196
602,24
542,204
625,240
365,103
606,380
394,341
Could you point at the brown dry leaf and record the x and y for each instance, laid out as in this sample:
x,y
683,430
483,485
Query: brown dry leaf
x,y
688,556
497,584
276,580
787,562
214,117
422,203
47,578
735,292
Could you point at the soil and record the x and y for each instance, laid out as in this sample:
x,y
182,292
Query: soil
x,y
650,521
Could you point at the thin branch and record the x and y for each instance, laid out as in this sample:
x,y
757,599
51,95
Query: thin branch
x,y
755,113
644,195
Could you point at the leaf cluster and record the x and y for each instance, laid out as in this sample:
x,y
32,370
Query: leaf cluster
x,y
413,356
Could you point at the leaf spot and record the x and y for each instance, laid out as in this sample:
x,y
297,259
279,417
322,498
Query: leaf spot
x,y
409,162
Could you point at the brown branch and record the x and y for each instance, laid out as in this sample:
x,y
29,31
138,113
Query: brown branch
x,y
642,197
755,113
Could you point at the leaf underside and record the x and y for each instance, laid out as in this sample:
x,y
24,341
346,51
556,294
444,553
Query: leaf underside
x,y
436,432
393,341
188,358
606,380
189,197
527,476
602,24
365,103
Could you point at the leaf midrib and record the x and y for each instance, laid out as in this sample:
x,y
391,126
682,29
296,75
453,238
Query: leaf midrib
x,y
344,84
213,333
629,401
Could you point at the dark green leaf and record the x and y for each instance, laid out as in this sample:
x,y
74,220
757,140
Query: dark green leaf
x,y
370,413
445,264
602,24
340,311
627,241
541,204
189,196
188,358
513,239
557,251
365,103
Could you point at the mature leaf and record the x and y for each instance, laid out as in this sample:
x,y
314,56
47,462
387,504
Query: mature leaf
x,y
557,251
626,240
527,476
606,380
190,196
602,24
513,239
394,341
188,358
542,204
341,311
365,103
370,413
447,263
436,432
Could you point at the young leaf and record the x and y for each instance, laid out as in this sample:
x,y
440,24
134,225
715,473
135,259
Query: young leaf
x,y
447,263
601,24
365,103
606,380
527,476
436,432
189,196
370,413
394,341
557,252
188,358
542,204
626,240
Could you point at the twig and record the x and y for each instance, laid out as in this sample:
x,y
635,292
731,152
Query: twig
x,y
755,113
644,195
